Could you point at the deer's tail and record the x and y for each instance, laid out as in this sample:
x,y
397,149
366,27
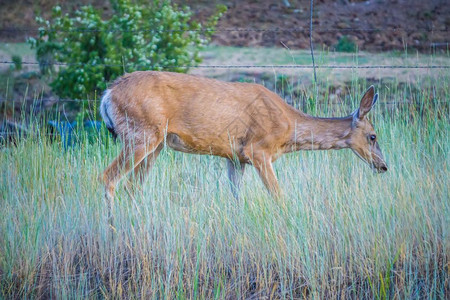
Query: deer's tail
x,y
107,113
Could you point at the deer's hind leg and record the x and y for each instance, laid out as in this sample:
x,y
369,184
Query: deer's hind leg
x,y
140,172
130,157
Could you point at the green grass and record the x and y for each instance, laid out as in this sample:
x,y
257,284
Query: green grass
x,y
21,49
346,232
281,56
225,55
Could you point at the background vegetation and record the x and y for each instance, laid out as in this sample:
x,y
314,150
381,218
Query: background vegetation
x,y
137,36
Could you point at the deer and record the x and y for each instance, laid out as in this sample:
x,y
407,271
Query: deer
x,y
245,123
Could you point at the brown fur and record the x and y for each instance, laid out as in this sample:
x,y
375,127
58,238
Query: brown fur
x,y
239,121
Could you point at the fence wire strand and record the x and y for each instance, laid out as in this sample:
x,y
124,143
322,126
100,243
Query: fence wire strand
x,y
241,66
58,100
276,29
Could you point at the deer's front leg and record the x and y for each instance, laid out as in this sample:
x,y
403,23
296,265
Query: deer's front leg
x,y
265,171
235,173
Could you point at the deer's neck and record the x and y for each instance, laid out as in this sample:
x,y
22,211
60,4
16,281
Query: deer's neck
x,y
313,133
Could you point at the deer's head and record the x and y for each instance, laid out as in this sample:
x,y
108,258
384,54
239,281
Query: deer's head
x,y
363,140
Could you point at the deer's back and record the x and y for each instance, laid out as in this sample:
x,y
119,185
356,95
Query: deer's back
x,y
205,115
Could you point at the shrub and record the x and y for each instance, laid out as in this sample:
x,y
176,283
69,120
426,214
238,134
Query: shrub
x,y
155,36
17,61
345,44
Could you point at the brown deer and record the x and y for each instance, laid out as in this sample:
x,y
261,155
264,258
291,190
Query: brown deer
x,y
245,123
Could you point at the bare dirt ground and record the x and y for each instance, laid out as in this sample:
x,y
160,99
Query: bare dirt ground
x,y
415,23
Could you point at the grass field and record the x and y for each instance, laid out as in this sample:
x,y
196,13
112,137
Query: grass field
x,y
346,232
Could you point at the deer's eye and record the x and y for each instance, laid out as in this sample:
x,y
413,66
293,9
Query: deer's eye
x,y
373,137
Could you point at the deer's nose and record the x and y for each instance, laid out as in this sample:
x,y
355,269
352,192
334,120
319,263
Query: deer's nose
x,y
383,169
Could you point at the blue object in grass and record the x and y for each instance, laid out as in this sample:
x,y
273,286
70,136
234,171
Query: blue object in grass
x,y
66,130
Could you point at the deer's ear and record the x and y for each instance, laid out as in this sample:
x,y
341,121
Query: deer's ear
x,y
367,102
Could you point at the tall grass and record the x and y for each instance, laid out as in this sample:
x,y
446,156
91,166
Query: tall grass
x,y
346,232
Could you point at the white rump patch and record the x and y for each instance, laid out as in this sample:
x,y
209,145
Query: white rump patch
x,y
105,109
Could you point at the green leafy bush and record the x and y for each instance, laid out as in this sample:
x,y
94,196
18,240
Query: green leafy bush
x,y
155,36
345,44
17,61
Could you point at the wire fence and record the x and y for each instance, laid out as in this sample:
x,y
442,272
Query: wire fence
x,y
69,130
57,63
56,100
274,29
70,133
